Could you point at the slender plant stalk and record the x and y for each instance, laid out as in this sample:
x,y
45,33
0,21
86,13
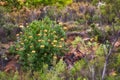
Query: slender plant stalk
x,y
107,57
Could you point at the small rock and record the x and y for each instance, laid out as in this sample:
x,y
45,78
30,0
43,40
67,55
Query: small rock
x,y
5,46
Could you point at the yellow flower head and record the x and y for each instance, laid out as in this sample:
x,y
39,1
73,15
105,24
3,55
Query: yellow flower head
x,y
42,46
113,73
54,45
39,40
38,34
54,41
60,46
33,51
92,39
22,43
30,36
62,39
65,28
21,26
48,40
45,30
31,46
61,23
55,57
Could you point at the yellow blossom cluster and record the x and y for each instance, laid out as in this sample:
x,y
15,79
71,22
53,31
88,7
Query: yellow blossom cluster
x,y
21,26
39,40
42,46
65,28
30,37
62,39
54,41
31,46
33,51
45,30
39,34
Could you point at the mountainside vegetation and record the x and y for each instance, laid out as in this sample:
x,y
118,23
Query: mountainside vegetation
x,y
59,39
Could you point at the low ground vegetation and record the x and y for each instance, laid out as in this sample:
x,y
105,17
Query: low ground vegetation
x,y
65,41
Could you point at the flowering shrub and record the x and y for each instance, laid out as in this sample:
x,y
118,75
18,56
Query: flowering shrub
x,y
40,43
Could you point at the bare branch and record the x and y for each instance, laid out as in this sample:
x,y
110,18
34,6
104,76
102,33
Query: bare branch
x,y
107,57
